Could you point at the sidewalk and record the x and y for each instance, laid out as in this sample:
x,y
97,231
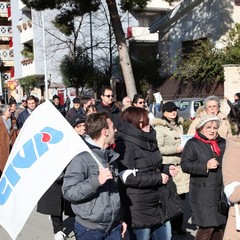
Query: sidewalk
x,y
39,227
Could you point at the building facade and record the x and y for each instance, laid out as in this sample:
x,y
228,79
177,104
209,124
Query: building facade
x,y
6,49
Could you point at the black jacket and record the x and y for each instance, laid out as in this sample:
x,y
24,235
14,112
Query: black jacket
x,y
113,111
140,195
205,186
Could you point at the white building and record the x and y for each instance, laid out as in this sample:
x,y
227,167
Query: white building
x,y
193,20
6,51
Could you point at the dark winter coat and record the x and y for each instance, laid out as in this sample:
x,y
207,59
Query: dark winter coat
x,y
140,196
205,186
52,201
22,118
113,111
61,109
73,112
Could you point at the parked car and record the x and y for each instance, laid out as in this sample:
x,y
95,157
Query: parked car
x,y
188,107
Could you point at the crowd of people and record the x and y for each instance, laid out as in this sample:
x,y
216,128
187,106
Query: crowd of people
x,y
139,153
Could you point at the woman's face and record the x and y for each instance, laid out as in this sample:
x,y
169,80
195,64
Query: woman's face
x,y
170,115
212,107
80,128
210,130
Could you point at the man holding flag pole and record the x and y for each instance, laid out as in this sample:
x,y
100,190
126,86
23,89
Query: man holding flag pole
x,y
90,184
38,156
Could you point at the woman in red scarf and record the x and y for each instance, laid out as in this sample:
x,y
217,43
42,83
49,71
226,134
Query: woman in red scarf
x,y
202,159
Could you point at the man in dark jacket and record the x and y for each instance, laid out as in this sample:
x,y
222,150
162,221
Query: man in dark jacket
x,y
75,110
107,104
59,107
31,105
91,186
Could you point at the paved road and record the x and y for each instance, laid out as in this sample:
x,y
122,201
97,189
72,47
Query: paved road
x,y
38,227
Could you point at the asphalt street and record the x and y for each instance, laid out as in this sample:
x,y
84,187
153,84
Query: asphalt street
x,y
38,227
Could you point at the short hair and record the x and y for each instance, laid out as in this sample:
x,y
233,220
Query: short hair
x,y
212,98
31,97
3,109
84,100
2,101
104,88
95,123
133,115
91,106
125,99
136,97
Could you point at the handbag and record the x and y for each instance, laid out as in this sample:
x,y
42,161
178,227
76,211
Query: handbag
x,y
222,204
171,203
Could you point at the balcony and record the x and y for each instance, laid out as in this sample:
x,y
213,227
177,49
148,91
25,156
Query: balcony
x,y
28,67
22,6
141,34
25,28
6,55
5,31
4,9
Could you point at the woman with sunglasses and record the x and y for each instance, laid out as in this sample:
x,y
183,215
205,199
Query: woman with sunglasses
x,y
141,176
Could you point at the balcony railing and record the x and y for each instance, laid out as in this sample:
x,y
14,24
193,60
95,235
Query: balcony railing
x,y
6,76
6,31
4,9
28,67
141,34
6,55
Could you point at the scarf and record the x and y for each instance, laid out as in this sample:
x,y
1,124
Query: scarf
x,y
213,143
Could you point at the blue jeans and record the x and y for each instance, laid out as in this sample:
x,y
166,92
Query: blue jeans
x,y
164,232
157,108
83,233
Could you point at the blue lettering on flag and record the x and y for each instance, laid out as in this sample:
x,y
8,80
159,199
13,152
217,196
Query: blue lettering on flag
x,y
31,154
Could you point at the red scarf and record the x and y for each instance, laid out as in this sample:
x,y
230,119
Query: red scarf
x,y
214,144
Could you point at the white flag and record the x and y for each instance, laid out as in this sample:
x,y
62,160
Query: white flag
x,y
44,147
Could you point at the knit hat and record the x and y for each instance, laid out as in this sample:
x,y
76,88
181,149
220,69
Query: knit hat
x,y
76,100
207,118
169,106
77,119
55,96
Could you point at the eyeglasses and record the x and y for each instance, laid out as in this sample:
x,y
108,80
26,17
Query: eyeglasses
x,y
214,106
141,102
109,96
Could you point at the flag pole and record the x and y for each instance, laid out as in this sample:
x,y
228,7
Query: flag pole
x,y
44,57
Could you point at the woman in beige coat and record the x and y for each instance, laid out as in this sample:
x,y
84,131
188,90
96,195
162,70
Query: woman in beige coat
x,y
231,180
212,107
169,129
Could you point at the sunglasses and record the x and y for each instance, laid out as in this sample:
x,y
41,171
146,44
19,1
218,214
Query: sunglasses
x,y
109,96
141,102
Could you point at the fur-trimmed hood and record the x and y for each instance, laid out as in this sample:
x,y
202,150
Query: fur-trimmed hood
x,y
163,122
201,112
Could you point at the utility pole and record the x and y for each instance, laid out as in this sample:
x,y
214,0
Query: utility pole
x,y
45,57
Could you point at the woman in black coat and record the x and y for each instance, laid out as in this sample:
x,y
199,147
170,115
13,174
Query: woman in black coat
x,y
202,158
141,174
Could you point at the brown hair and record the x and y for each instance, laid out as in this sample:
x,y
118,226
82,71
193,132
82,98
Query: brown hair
x,y
134,115
95,122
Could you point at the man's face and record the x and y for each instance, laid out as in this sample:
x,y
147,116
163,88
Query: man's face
x,y
56,101
111,132
76,105
140,103
107,98
31,104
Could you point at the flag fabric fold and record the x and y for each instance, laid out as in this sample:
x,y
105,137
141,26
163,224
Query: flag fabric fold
x,y
43,148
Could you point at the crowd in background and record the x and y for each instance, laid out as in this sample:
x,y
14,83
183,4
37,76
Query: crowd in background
x,y
138,142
